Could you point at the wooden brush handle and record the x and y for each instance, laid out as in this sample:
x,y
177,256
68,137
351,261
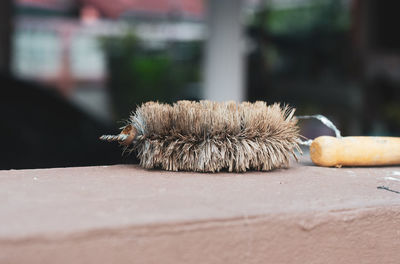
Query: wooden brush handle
x,y
355,151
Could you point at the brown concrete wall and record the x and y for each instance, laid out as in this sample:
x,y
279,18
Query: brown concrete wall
x,y
123,214
367,236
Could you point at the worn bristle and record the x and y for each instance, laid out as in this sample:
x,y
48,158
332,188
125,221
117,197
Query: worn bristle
x,y
209,136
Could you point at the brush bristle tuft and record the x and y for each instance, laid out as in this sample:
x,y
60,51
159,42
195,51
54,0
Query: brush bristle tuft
x,y
209,136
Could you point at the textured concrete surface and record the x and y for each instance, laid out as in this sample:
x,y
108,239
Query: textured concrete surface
x,y
125,214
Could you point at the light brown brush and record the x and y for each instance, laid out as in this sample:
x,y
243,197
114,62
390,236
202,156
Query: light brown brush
x,y
210,136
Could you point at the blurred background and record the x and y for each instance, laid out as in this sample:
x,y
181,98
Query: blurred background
x,y
72,70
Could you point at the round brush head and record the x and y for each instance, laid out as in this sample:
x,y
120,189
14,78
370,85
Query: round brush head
x,y
210,136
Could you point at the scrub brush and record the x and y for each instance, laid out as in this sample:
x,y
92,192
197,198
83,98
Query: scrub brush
x,y
210,136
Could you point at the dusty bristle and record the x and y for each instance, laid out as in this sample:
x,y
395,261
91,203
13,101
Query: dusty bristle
x,y
209,136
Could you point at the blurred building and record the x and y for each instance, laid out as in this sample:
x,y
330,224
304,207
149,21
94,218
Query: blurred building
x,y
57,41
323,56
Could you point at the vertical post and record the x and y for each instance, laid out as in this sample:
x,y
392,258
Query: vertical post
x,y
224,66
6,14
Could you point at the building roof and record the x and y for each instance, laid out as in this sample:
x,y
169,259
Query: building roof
x,y
116,8
47,4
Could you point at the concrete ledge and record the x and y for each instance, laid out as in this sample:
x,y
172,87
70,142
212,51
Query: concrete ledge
x,y
124,214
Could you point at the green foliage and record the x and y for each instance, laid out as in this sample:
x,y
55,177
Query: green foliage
x,y
313,15
138,73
